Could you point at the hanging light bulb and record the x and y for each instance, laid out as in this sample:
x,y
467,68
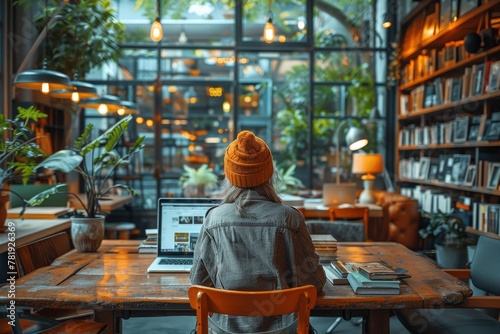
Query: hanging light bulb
x,y
156,33
269,29
387,21
103,104
102,109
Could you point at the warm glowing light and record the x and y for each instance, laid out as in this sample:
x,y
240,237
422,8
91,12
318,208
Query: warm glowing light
x,y
45,88
226,106
172,89
282,38
387,24
102,109
139,120
75,97
121,111
149,122
156,33
269,32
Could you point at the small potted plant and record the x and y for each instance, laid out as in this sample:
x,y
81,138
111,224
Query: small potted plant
x,y
19,152
95,160
195,180
449,236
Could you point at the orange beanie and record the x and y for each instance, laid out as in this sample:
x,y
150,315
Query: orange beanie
x,y
248,161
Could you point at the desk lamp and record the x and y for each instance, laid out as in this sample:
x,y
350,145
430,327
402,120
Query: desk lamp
x,y
355,139
367,164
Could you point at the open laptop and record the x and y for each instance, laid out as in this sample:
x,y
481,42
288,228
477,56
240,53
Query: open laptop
x,y
339,193
179,224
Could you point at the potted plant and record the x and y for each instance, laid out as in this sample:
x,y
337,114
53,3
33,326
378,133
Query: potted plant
x,y
449,236
19,152
195,180
96,161
287,182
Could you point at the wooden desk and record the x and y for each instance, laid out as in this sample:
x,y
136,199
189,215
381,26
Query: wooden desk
x,y
111,203
29,230
114,282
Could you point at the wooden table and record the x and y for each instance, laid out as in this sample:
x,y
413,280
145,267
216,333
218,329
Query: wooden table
x,y
114,282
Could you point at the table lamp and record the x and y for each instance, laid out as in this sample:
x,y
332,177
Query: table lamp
x,y
367,164
355,139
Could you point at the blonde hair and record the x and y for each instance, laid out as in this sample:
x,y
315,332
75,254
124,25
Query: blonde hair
x,y
240,196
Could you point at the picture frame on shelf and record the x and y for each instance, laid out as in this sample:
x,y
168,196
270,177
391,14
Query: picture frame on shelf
x,y
470,176
459,166
456,90
467,5
433,170
431,22
494,77
493,131
424,168
444,13
453,10
493,176
473,132
478,80
461,125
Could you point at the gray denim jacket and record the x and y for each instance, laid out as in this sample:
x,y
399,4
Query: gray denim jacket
x,y
270,252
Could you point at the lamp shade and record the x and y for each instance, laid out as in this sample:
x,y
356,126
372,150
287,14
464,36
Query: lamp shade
x,y
111,102
365,163
34,79
356,138
127,107
84,90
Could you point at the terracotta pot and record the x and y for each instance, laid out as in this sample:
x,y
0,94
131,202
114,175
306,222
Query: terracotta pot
x,y
87,233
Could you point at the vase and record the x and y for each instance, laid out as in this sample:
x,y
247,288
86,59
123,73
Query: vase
x,y
87,233
451,257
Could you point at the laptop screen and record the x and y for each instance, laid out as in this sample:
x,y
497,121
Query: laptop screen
x,y
179,223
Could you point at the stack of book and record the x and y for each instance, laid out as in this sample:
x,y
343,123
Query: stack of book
x,y
149,245
373,278
325,246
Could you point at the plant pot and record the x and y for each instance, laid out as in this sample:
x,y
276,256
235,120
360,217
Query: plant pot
x,y
451,257
87,233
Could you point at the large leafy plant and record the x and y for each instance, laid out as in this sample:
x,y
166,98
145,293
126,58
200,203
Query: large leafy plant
x,y
446,230
19,152
96,161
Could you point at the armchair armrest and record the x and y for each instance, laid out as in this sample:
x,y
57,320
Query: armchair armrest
x,y
490,302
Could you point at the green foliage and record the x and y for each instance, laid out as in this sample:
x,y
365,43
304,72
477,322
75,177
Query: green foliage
x,y
201,176
86,35
446,229
96,171
19,153
287,182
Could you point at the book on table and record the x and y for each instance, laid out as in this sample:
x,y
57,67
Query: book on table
x,y
372,270
363,286
325,246
334,277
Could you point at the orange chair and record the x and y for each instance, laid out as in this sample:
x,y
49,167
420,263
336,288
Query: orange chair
x,y
351,215
207,300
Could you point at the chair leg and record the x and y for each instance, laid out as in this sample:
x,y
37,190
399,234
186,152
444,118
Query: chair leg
x,y
334,325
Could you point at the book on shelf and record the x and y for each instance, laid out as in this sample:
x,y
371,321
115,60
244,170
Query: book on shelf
x,y
363,286
333,277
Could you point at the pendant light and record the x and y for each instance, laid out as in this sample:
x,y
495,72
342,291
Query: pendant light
x,y
127,107
44,80
103,104
387,22
156,33
269,29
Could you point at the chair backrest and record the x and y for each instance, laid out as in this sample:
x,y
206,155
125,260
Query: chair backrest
x,y
42,252
355,215
485,266
207,300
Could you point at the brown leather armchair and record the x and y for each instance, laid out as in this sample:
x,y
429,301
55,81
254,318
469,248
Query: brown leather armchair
x,y
402,218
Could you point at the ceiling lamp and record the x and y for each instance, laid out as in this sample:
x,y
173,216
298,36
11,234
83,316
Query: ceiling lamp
x,y
387,23
103,104
44,79
156,33
80,90
127,107
269,29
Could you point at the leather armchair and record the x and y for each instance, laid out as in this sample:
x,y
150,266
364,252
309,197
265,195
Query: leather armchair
x,y
402,218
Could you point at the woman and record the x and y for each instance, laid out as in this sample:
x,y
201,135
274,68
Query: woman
x,y
251,241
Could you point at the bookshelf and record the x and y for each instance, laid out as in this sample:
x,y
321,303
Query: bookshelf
x,y
448,122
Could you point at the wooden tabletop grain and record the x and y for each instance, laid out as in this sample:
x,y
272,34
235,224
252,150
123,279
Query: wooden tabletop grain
x,y
115,279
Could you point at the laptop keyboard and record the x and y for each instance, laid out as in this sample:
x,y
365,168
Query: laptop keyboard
x,y
176,261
